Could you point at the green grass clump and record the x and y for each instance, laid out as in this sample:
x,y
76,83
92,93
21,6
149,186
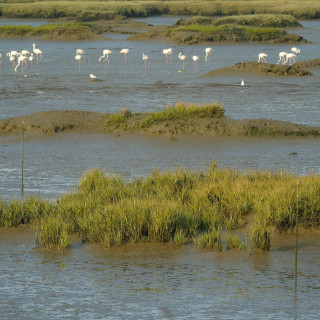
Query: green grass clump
x,y
174,207
233,242
211,240
116,119
53,233
184,111
260,237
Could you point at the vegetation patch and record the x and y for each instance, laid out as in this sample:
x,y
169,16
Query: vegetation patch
x,y
173,207
70,31
184,111
297,69
196,33
94,10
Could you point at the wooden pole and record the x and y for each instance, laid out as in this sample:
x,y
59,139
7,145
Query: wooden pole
x,y
22,186
296,255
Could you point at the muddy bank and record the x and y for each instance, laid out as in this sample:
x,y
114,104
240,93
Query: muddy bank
x,y
297,69
50,122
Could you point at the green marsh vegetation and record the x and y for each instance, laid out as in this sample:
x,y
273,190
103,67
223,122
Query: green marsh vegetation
x,y
71,30
258,27
176,207
94,10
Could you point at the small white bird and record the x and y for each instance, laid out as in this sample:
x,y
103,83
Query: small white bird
x,y
242,83
92,76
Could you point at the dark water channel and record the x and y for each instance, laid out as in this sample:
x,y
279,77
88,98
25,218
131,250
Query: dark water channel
x,y
153,281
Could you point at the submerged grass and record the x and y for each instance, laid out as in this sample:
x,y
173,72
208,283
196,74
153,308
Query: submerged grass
x,y
172,207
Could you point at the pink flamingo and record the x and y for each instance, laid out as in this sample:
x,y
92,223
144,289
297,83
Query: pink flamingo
x,y
79,57
195,59
38,52
183,58
295,50
0,60
282,56
262,57
81,52
208,53
23,61
291,57
145,58
105,53
125,52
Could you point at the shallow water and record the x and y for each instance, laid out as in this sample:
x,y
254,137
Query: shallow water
x,y
53,165
152,281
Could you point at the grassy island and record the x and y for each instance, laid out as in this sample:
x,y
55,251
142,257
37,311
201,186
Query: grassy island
x,y
208,207
174,120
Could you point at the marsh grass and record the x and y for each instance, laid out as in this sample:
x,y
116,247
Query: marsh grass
x,y
116,119
93,10
233,242
173,206
184,111
47,29
256,20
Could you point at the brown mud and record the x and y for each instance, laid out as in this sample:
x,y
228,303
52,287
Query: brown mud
x,y
297,69
51,122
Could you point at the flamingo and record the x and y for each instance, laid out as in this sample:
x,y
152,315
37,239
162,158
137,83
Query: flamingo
x,y
282,56
295,50
208,52
21,60
262,57
195,59
81,52
291,57
0,59
31,57
166,52
145,58
78,57
170,53
242,83
183,58
38,52
13,53
25,52
12,59
125,52
105,53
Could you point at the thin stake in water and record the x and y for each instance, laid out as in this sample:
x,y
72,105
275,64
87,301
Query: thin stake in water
x,y
296,255
22,157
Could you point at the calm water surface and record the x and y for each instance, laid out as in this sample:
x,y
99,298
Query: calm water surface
x,y
156,281
152,281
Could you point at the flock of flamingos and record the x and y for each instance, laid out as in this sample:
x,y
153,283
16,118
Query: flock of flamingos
x,y
20,59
